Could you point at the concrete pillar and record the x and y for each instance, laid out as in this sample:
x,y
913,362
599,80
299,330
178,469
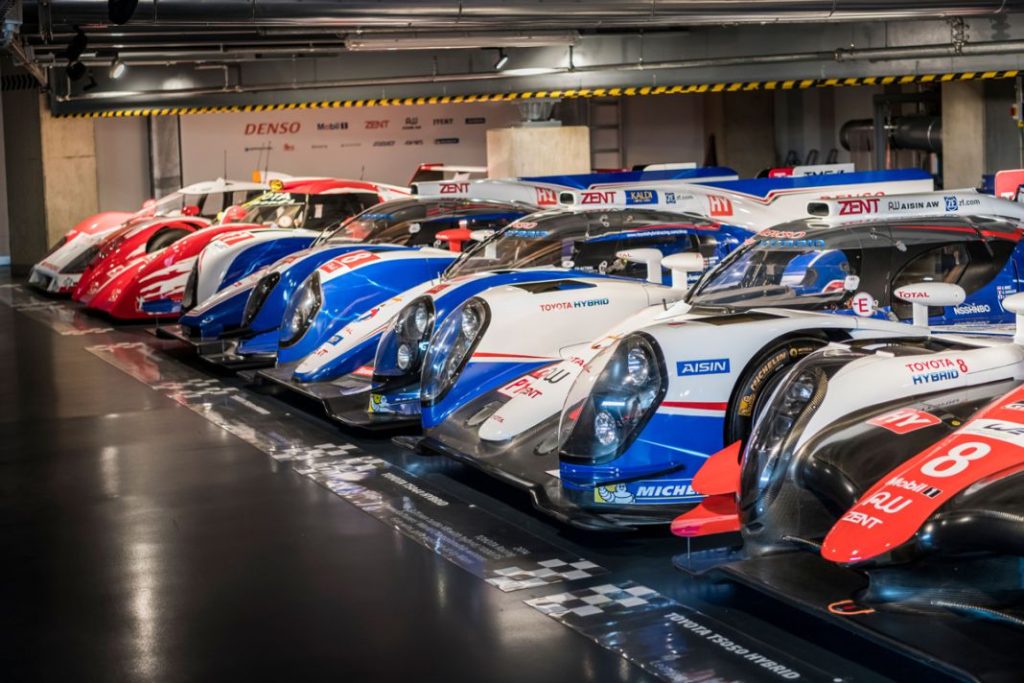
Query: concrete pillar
x,y
23,157
744,128
165,155
963,133
537,150
69,172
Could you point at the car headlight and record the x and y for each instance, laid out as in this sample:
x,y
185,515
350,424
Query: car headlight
x,y
188,297
301,309
451,347
402,348
258,296
612,400
81,262
776,430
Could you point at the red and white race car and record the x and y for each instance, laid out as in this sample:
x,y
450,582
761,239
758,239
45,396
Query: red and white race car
x,y
60,269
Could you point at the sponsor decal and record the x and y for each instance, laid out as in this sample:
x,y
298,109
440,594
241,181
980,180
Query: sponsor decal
x,y
570,305
383,143
521,387
972,309
235,238
598,197
950,203
282,128
319,146
363,371
529,234
349,261
670,197
446,141
719,205
634,197
782,234
644,492
863,304
906,293
475,120
857,207
546,197
411,123
905,420
444,121
332,125
454,188
413,142
376,124
709,366
289,147
936,369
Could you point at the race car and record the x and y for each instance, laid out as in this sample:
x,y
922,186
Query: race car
x,y
297,211
899,461
241,324
60,269
224,312
594,429
386,392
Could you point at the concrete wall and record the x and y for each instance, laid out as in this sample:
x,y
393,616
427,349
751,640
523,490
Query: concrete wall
x,y
69,172
530,151
663,129
122,163
744,129
23,158
5,224
963,133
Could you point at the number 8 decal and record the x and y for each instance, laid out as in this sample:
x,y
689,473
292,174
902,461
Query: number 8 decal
x,y
956,461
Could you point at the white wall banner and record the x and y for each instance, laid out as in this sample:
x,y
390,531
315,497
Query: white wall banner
x,y
383,144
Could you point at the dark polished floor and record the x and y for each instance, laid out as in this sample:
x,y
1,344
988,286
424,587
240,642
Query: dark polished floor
x,y
140,541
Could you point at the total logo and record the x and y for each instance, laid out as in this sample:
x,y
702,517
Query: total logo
x,y
570,305
972,309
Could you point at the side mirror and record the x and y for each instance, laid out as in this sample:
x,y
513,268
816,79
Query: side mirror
x,y
1015,304
681,265
925,294
190,210
651,257
285,222
233,214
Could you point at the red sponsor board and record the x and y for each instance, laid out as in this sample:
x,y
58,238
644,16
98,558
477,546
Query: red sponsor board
x,y
905,420
350,261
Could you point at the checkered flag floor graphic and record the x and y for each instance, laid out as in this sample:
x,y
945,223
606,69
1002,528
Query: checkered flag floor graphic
x,y
528,575
606,600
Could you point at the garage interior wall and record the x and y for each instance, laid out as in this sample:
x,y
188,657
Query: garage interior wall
x,y
122,163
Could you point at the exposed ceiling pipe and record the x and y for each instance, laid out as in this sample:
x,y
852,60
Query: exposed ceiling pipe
x,y
593,13
905,52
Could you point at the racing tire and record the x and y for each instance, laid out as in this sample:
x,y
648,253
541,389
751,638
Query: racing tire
x,y
760,378
165,238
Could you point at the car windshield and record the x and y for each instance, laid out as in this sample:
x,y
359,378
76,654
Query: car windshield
x,y
818,269
309,211
586,240
417,221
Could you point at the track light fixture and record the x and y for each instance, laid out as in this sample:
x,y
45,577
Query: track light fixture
x,y
117,68
502,60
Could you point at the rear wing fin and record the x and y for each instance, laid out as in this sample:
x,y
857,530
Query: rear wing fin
x,y
928,204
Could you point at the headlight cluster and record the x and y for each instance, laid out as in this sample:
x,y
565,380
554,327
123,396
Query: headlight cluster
x,y
401,350
258,296
612,400
301,309
188,297
451,347
81,262
776,427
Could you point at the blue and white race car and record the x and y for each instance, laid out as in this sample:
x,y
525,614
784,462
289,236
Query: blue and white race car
x,y
609,252
609,433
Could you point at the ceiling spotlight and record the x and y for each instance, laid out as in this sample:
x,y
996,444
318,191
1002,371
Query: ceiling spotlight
x,y
120,11
502,60
117,68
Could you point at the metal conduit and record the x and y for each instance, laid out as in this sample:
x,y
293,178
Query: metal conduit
x,y
592,13
989,48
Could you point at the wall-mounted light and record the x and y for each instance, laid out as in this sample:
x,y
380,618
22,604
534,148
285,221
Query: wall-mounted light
x,y
117,68
502,60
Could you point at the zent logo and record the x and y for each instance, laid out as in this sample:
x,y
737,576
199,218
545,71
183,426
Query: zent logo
x,y
592,197
454,188
857,207
711,366
377,125
719,205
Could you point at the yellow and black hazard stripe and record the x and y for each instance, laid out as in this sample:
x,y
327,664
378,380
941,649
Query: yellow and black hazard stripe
x,y
738,86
